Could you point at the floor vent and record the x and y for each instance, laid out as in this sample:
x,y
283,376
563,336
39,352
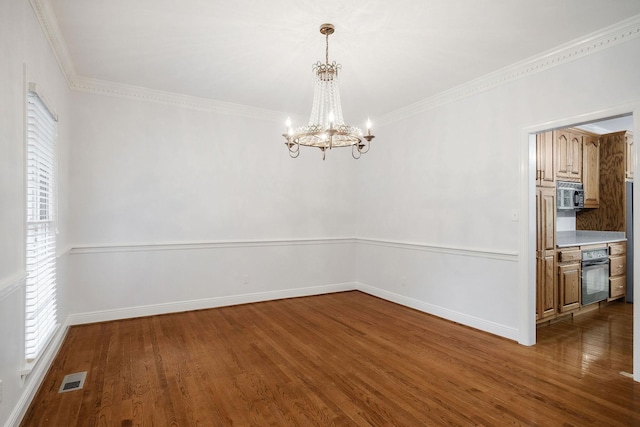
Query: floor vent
x,y
626,374
72,382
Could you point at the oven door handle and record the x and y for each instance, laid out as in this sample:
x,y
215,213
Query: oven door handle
x,y
592,263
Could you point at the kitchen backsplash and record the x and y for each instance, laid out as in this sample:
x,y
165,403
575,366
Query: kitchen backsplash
x,y
565,220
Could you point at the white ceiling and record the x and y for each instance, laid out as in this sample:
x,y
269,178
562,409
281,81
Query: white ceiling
x,y
259,53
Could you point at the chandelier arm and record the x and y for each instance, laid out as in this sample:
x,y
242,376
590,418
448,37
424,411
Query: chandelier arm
x,y
353,152
361,148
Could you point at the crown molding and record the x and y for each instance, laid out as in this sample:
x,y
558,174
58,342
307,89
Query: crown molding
x,y
592,43
595,42
101,87
51,29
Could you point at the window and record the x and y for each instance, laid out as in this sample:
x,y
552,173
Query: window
x,y
40,301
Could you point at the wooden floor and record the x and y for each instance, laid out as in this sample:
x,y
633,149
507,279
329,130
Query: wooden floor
x,y
339,359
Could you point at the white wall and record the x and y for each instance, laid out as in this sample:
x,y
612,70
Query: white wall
x,y
26,57
193,202
447,179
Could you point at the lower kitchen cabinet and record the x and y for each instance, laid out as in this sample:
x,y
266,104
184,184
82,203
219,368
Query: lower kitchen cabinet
x,y
546,288
617,270
569,286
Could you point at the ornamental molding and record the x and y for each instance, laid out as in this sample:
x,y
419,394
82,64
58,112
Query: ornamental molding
x,y
605,38
101,87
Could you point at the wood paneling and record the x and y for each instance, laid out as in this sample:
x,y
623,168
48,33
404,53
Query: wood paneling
x,y
339,359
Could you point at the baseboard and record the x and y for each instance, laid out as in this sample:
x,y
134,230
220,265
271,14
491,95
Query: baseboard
x,y
36,376
445,313
199,304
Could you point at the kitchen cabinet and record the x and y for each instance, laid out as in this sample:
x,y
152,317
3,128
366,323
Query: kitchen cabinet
x,y
568,162
629,156
591,171
545,155
611,212
546,279
569,279
617,270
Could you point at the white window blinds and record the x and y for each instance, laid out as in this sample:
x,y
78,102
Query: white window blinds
x,y
41,315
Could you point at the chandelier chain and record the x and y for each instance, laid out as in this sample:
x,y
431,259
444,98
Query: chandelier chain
x,y
327,51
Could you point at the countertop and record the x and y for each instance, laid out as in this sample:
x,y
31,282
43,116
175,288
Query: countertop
x,y
566,239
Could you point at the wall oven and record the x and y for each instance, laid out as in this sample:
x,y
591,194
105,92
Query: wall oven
x,y
595,275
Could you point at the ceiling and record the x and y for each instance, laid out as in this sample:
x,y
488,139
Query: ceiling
x,y
259,53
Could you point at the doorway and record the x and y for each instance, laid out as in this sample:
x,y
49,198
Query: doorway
x,y
600,124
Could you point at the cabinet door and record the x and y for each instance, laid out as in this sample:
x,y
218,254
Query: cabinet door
x,y
545,155
629,156
617,286
546,286
617,265
546,278
569,285
568,155
546,218
591,172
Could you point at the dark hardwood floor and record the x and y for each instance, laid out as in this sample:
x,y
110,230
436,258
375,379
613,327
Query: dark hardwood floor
x,y
339,359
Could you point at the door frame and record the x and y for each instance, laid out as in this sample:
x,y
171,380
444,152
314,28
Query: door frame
x,y
527,244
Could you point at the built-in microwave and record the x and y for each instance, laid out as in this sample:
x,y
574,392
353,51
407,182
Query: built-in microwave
x,y
570,195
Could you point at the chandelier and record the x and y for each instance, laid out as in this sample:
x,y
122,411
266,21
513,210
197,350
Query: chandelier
x,y
326,128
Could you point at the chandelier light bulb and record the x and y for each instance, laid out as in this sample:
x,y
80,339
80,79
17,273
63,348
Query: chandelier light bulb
x,y
287,123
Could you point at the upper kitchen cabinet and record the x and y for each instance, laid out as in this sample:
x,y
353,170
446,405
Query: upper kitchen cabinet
x,y
591,171
629,156
568,155
545,155
611,214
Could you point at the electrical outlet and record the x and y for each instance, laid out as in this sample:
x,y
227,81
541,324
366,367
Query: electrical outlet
x,y
245,279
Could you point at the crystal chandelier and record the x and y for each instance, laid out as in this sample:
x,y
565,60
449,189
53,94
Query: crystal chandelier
x,y
326,128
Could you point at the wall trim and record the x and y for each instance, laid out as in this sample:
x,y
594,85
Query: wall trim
x,y
205,303
12,283
583,46
176,246
452,250
442,312
502,255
